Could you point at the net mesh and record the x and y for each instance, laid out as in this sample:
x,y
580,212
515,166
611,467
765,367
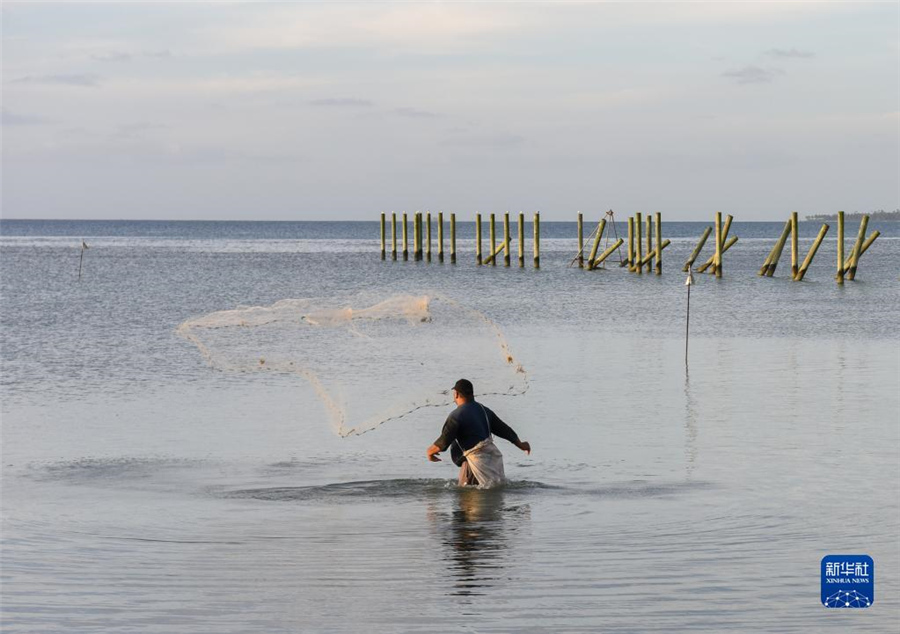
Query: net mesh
x,y
368,361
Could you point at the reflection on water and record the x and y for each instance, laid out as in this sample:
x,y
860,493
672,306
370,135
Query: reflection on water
x,y
477,536
690,427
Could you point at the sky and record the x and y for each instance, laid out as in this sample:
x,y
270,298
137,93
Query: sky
x,y
338,111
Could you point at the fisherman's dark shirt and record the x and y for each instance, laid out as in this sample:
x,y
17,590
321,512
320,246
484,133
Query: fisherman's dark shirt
x,y
467,425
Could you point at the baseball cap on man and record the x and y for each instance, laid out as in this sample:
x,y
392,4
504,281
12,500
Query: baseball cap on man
x,y
464,387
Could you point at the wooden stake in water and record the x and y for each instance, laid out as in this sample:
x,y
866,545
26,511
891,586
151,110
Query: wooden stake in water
x,y
441,237
609,251
417,236
857,247
478,239
452,238
537,239
405,239
598,234
506,237
383,237
795,249
630,261
659,247
711,261
393,235
521,228
492,229
717,258
812,253
428,235
779,247
865,247
580,241
696,252
84,247
639,256
840,249
649,243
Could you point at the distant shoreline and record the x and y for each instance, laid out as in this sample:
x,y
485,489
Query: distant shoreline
x,y
889,216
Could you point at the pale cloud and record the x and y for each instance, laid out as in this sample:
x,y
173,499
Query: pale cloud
x,y
80,80
782,53
342,102
753,75
415,113
15,119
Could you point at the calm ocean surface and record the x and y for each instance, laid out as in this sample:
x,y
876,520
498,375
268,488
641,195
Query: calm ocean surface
x,y
143,491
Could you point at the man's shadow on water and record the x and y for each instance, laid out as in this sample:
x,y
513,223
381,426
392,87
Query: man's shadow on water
x,y
477,534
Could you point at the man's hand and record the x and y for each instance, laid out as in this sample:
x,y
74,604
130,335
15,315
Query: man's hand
x,y
524,446
432,453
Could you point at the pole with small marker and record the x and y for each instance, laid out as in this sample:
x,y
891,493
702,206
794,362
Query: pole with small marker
x,y
393,235
580,241
506,238
405,239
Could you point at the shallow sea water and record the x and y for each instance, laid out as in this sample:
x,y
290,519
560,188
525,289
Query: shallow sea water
x,y
144,492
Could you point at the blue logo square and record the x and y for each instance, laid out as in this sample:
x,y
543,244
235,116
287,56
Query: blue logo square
x,y
848,581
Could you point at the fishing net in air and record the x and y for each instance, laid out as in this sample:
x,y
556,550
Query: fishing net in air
x,y
367,361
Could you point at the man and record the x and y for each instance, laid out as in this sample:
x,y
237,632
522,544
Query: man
x,y
468,431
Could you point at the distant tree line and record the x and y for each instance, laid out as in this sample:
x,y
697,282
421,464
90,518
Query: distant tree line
x,y
881,214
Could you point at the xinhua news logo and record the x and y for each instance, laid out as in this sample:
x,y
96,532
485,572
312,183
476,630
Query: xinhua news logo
x,y
848,581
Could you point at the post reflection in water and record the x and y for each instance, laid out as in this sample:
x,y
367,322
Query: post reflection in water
x,y
478,534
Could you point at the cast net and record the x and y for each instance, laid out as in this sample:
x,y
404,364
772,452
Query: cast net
x,y
367,361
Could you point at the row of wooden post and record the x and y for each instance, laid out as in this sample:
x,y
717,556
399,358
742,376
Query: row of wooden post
x,y
636,259
846,266
420,238
714,264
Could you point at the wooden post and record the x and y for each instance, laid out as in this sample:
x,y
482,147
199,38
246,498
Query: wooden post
x,y
383,237
779,247
768,260
441,237
650,252
493,256
649,257
506,237
857,248
865,247
717,258
840,249
696,253
521,228
417,236
428,236
639,256
597,236
658,243
452,238
393,235
629,262
580,241
609,251
405,239
537,239
478,239
492,230
709,263
812,253
795,250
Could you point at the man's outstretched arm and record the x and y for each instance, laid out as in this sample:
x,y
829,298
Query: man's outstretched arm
x,y
504,431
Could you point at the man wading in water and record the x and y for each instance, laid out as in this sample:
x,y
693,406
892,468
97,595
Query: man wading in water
x,y
468,432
